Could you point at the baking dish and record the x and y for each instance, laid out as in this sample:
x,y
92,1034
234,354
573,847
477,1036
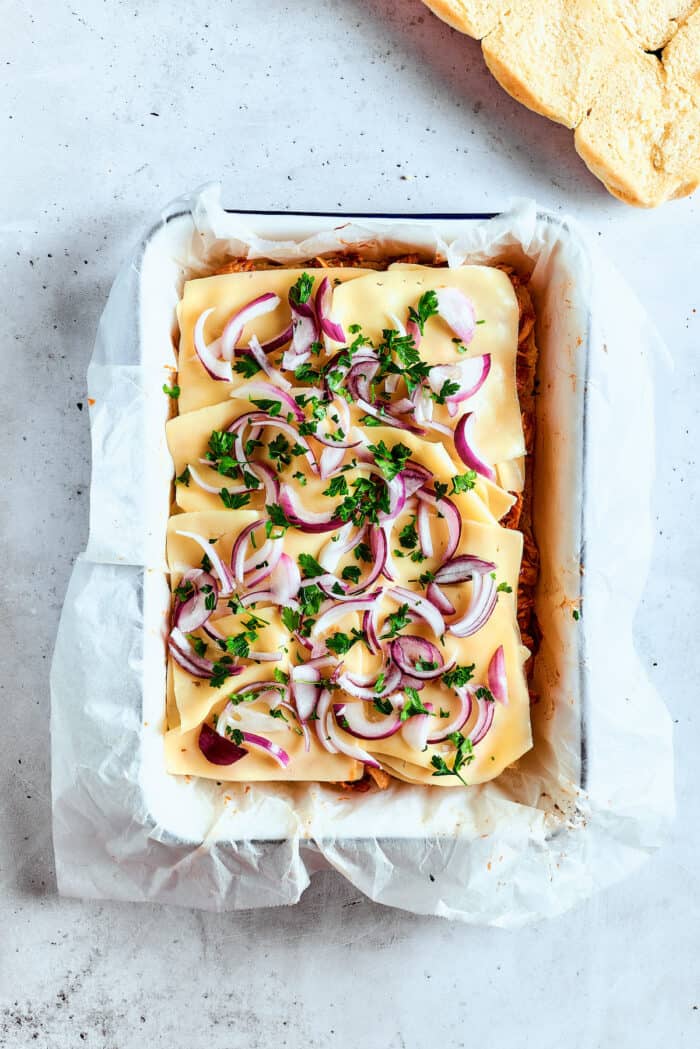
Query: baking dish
x,y
526,844
168,242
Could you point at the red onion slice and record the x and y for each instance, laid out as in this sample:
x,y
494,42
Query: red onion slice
x,y
483,600
217,749
367,690
332,737
214,366
451,515
332,615
303,519
360,726
466,449
335,549
267,747
487,709
498,682
305,689
424,534
457,310
413,330
421,606
462,568
275,343
414,476
457,723
285,580
267,559
323,309
439,599
185,656
387,419
226,578
258,354
259,389
408,649
233,330
416,729
470,375
238,562
193,613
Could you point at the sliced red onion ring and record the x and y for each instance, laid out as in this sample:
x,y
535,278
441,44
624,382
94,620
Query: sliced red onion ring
x,y
213,365
439,599
332,737
458,312
380,549
421,606
481,605
332,615
285,580
276,342
233,330
355,686
265,657
413,330
193,613
470,375
452,516
386,418
305,689
268,477
217,749
423,405
498,682
369,626
462,568
267,559
184,654
360,726
424,534
268,747
303,519
416,729
226,578
487,709
238,561
408,649
323,309
414,476
457,723
466,449
258,354
259,389
335,549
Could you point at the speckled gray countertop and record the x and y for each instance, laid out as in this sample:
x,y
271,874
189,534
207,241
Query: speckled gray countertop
x,y
111,110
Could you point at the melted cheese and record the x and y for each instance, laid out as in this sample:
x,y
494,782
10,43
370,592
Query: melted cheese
x,y
207,406
226,294
376,297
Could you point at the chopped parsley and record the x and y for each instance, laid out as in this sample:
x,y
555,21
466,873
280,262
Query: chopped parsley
x,y
458,676
440,490
246,366
576,614
383,706
413,705
234,734
396,621
463,482
172,391
338,486
363,553
299,476
300,292
277,520
277,712
198,644
222,670
390,460
408,537
351,573
184,477
234,500
290,619
310,566
339,644
427,308
446,390
504,588
238,645
464,755
184,591
266,405
305,373
370,498
485,693
280,676
311,598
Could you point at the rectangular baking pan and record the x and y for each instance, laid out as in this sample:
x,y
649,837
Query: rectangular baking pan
x,y
563,325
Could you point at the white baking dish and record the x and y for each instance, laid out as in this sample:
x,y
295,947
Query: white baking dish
x,y
230,839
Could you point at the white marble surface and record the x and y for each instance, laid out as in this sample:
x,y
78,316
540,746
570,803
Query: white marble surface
x,y
111,109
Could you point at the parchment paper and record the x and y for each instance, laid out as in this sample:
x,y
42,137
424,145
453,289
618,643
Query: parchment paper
x,y
581,811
